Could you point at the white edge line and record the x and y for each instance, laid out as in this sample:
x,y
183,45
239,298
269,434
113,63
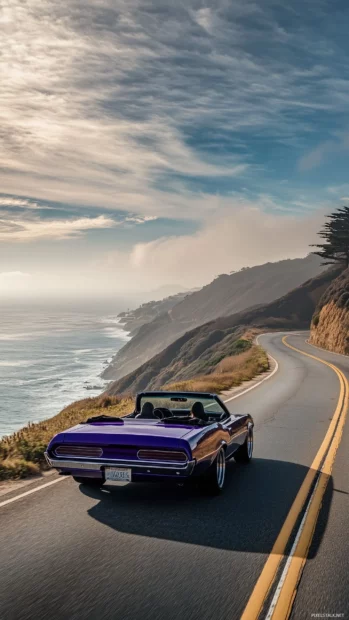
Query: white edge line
x,y
289,559
42,486
259,382
300,530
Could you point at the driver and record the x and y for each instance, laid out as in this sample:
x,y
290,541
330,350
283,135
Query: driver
x,y
147,411
198,411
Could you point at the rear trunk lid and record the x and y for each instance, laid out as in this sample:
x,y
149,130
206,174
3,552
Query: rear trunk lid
x,y
128,434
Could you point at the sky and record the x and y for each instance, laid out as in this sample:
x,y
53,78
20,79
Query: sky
x,y
146,143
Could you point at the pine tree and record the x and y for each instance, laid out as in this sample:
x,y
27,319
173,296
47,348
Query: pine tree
x,y
335,232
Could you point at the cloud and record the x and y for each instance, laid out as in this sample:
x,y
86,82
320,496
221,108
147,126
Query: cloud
x,y
119,112
237,234
23,203
77,116
322,151
316,156
204,19
138,219
246,237
26,226
106,103
32,230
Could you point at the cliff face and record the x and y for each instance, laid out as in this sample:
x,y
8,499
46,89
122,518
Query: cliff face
x,y
226,295
330,323
198,351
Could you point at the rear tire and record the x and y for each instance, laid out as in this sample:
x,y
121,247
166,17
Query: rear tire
x,y
213,482
92,482
244,453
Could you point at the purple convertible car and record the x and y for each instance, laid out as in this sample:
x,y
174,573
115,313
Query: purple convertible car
x,y
170,436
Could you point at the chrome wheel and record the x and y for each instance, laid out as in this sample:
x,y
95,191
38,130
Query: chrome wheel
x,y
220,468
250,444
213,481
244,453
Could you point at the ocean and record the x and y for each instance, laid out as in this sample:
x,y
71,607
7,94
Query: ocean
x,y
50,357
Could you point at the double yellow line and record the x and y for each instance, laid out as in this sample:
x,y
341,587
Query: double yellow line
x,y
321,467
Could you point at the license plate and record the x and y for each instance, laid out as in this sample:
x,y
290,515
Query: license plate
x,y
117,474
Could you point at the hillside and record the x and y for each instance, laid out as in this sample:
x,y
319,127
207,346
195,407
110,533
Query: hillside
x,y
201,350
226,295
330,324
132,320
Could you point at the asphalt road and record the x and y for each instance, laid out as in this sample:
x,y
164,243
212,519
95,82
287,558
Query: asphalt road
x,y
143,551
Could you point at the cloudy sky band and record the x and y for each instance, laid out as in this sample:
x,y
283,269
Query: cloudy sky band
x,y
177,120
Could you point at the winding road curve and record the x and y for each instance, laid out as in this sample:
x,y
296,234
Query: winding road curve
x,y
142,551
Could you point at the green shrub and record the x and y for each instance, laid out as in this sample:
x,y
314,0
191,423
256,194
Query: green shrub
x,y
316,319
242,345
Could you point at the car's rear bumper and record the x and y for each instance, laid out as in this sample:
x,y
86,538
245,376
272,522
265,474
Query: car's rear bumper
x,y
140,469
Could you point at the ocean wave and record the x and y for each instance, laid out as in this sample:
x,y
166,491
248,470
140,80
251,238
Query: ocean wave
x,y
46,379
20,336
80,351
110,319
20,363
113,332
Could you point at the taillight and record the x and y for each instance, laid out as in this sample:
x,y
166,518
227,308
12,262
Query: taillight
x,y
167,456
79,451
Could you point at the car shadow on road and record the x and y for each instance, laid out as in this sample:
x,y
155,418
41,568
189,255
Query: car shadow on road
x,y
248,516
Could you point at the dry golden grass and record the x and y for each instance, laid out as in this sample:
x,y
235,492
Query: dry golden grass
x,y
232,363
230,372
251,333
11,469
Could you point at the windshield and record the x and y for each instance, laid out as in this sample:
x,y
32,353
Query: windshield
x,y
181,405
